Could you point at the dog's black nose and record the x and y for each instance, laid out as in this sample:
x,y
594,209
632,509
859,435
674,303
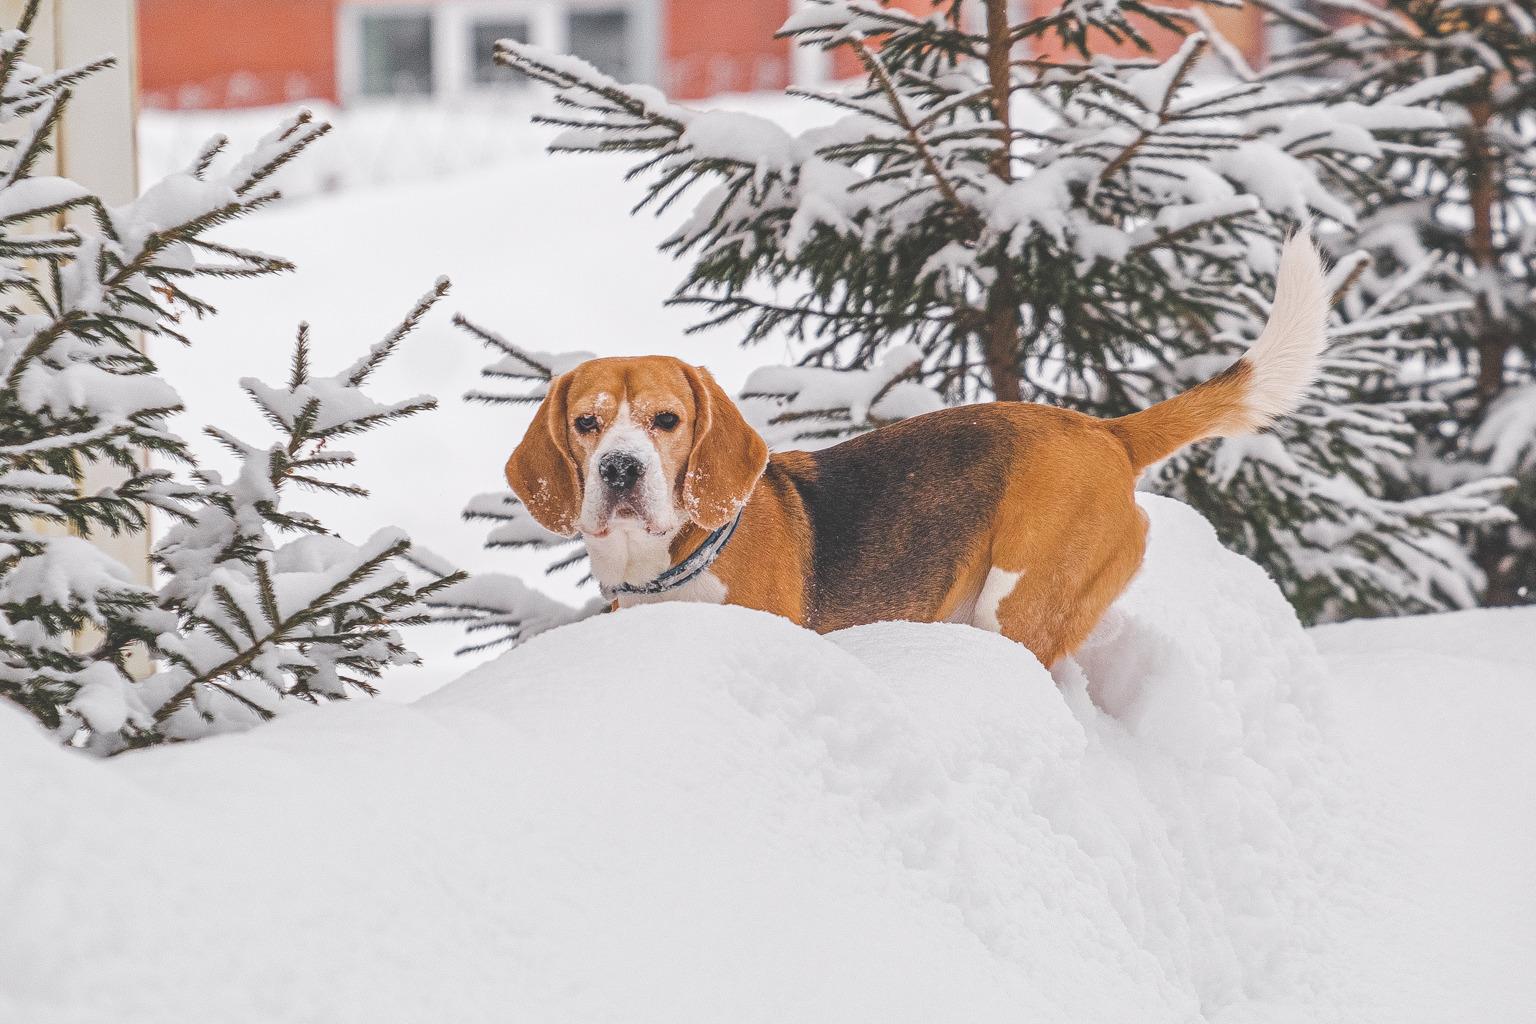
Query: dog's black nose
x,y
619,470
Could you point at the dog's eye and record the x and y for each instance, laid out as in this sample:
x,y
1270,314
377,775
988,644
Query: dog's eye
x,y
586,424
665,421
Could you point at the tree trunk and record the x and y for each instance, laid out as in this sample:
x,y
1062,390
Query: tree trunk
x,y
1493,339
1492,551
1000,335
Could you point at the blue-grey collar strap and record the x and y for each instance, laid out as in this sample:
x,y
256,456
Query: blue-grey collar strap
x,y
686,571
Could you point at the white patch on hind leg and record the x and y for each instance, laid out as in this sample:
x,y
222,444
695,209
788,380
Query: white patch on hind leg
x,y
999,584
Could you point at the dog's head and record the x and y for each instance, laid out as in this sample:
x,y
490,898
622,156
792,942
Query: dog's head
x,y
645,443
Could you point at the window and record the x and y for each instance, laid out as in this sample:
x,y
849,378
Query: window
x,y
396,54
446,48
482,46
601,38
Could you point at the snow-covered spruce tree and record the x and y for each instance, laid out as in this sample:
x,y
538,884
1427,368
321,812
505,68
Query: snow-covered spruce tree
x,y
1471,201
1083,231
240,620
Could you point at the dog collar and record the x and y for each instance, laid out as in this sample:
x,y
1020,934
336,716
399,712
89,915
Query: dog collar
x,y
686,571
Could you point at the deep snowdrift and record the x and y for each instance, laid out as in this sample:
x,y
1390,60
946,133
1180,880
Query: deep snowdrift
x,y
688,813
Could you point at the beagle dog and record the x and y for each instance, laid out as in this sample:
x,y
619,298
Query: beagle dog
x,y
1013,517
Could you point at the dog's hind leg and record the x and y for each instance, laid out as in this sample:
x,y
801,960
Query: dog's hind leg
x,y
1050,600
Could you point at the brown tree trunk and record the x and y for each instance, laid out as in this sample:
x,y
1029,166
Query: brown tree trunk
x,y
1000,333
1493,340
1492,552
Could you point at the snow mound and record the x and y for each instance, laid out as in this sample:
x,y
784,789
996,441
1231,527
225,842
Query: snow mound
x,y
698,813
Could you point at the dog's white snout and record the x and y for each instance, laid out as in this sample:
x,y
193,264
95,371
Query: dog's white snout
x,y
626,481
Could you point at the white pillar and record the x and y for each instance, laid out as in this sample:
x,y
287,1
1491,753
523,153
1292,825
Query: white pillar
x,y
99,138
96,143
809,66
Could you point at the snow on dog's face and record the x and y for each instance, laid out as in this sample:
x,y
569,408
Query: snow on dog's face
x,y
642,444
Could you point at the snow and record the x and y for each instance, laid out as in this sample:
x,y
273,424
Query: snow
x,y
170,203
688,812
100,698
795,406
1280,181
1042,200
1155,87
699,813
1508,431
84,386
1437,713
69,572
24,198
742,138
509,606
337,398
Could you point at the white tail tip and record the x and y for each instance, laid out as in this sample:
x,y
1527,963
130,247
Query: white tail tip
x,y
1284,361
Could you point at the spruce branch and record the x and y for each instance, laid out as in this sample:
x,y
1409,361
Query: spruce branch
x,y
882,78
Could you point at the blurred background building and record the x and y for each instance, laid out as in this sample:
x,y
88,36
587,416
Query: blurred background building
x,y
221,54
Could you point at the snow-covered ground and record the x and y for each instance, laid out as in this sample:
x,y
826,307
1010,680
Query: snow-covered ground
x,y
694,813
1437,715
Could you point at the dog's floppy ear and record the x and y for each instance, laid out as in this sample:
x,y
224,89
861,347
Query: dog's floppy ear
x,y
728,455
542,471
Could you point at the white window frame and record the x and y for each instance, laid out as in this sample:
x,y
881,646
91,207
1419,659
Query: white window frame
x,y
452,63
451,37
645,42
349,46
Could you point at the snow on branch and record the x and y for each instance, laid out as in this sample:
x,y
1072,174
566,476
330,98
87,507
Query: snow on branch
x,y
498,610
529,371
797,405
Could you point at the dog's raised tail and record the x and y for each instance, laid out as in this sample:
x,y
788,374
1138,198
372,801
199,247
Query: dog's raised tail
x,y
1266,383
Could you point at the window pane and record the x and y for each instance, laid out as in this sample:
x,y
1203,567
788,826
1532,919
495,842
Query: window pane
x,y
482,45
601,38
397,54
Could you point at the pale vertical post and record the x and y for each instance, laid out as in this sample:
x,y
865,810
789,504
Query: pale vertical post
x,y
98,147
809,66
450,76
99,143
96,144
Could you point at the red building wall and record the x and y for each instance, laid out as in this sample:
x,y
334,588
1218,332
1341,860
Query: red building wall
x,y
236,53
714,46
